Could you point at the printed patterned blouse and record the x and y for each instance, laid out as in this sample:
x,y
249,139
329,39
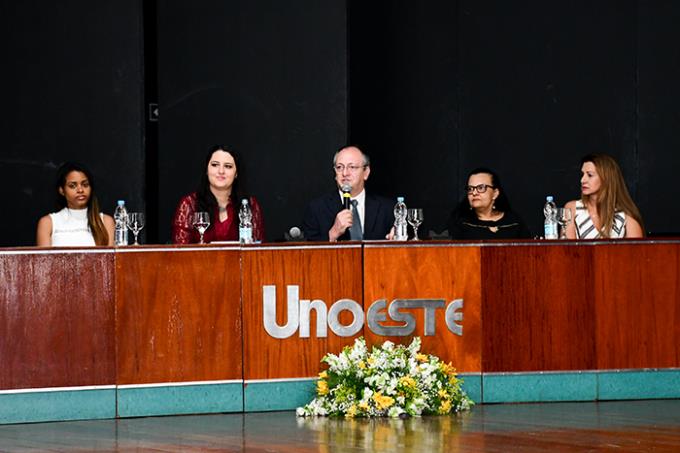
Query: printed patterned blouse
x,y
183,232
585,229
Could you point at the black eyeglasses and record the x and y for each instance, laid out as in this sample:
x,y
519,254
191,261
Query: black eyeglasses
x,y
480,188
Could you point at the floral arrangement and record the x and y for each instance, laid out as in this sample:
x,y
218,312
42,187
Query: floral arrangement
x,y
390,380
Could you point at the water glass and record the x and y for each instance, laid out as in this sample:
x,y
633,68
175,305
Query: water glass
x,y
201,222
135,222
563,218
414,217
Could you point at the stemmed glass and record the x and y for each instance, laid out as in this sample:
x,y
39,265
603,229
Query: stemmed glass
x,y
563,218
135,222
414,217
201,222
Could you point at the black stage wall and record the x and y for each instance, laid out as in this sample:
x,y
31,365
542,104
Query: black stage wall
x,y
72,89
526,88
267,78
429,89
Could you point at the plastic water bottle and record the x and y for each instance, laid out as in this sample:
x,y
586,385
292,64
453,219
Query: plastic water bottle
x,y
245,223
400,229
120,216
550,213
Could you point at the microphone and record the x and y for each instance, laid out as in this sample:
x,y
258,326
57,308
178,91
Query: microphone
x,y
294,234
346,189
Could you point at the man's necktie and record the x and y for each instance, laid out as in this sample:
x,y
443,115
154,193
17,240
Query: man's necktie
x,y
355,230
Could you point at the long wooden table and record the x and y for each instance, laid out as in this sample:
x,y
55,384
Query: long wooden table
x,y
147,316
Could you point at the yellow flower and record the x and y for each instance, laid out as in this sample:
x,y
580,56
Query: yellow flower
x,y
322,387
351,412
447,369
445,408
364,406
370,360
422,358
323,375
361,364
442,394
408,382
383,402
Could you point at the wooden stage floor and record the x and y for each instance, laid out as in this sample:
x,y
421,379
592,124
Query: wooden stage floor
x,y
630,426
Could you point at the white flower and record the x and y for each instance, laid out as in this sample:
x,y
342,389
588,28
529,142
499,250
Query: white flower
x,y
414,347
399,362
391,386
395,411
358,351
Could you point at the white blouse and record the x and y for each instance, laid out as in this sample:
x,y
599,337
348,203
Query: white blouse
x,y
70,228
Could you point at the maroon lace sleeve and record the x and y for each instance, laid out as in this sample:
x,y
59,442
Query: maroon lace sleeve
x,y
183,231
258,220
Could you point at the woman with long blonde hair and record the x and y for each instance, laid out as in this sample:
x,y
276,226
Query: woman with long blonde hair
x,y
605,210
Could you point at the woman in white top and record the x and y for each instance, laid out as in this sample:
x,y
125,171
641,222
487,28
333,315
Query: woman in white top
x,y
79,223
605,210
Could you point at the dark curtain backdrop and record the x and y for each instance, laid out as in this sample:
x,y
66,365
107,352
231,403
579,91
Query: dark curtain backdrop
x,y
405,100
659,116
267,78
428,89
71,90
524,88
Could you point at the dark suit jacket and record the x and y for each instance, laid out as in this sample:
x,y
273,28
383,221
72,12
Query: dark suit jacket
x,y
321,213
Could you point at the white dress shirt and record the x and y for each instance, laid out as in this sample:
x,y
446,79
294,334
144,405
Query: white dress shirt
x,y
361,206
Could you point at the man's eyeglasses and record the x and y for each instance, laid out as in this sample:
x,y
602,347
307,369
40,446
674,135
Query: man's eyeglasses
x,y
339,168
480,188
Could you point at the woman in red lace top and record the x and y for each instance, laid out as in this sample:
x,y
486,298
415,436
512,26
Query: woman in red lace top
x,y
218,194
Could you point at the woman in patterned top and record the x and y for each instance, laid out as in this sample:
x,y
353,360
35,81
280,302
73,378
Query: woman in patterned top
x,y
218,194
605,210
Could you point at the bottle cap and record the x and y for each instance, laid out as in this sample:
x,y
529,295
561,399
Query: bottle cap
x,y
400,199
549,198
244,201
121,202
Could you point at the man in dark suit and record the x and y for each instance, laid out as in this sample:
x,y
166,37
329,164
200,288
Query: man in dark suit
x,y
369,217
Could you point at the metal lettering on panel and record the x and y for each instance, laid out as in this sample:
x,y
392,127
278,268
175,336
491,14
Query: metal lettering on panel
x,y
453,314
305,320
334,322
269,311
299,315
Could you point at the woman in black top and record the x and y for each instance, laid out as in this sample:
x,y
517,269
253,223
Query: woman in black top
x,y
484,213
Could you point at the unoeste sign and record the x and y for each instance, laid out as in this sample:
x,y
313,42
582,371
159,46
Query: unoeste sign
x,y
298,312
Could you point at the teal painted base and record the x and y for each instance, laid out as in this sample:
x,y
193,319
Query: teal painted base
x,y
580,386
180,399
472,384
278,395
633,385
539,387
57,405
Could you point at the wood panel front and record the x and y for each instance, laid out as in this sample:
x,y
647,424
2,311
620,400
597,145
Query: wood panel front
x,y
178,315
443,272
56,319
638,305
538,307
321,273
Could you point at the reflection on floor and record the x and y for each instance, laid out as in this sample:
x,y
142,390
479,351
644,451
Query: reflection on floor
x,y
629,426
